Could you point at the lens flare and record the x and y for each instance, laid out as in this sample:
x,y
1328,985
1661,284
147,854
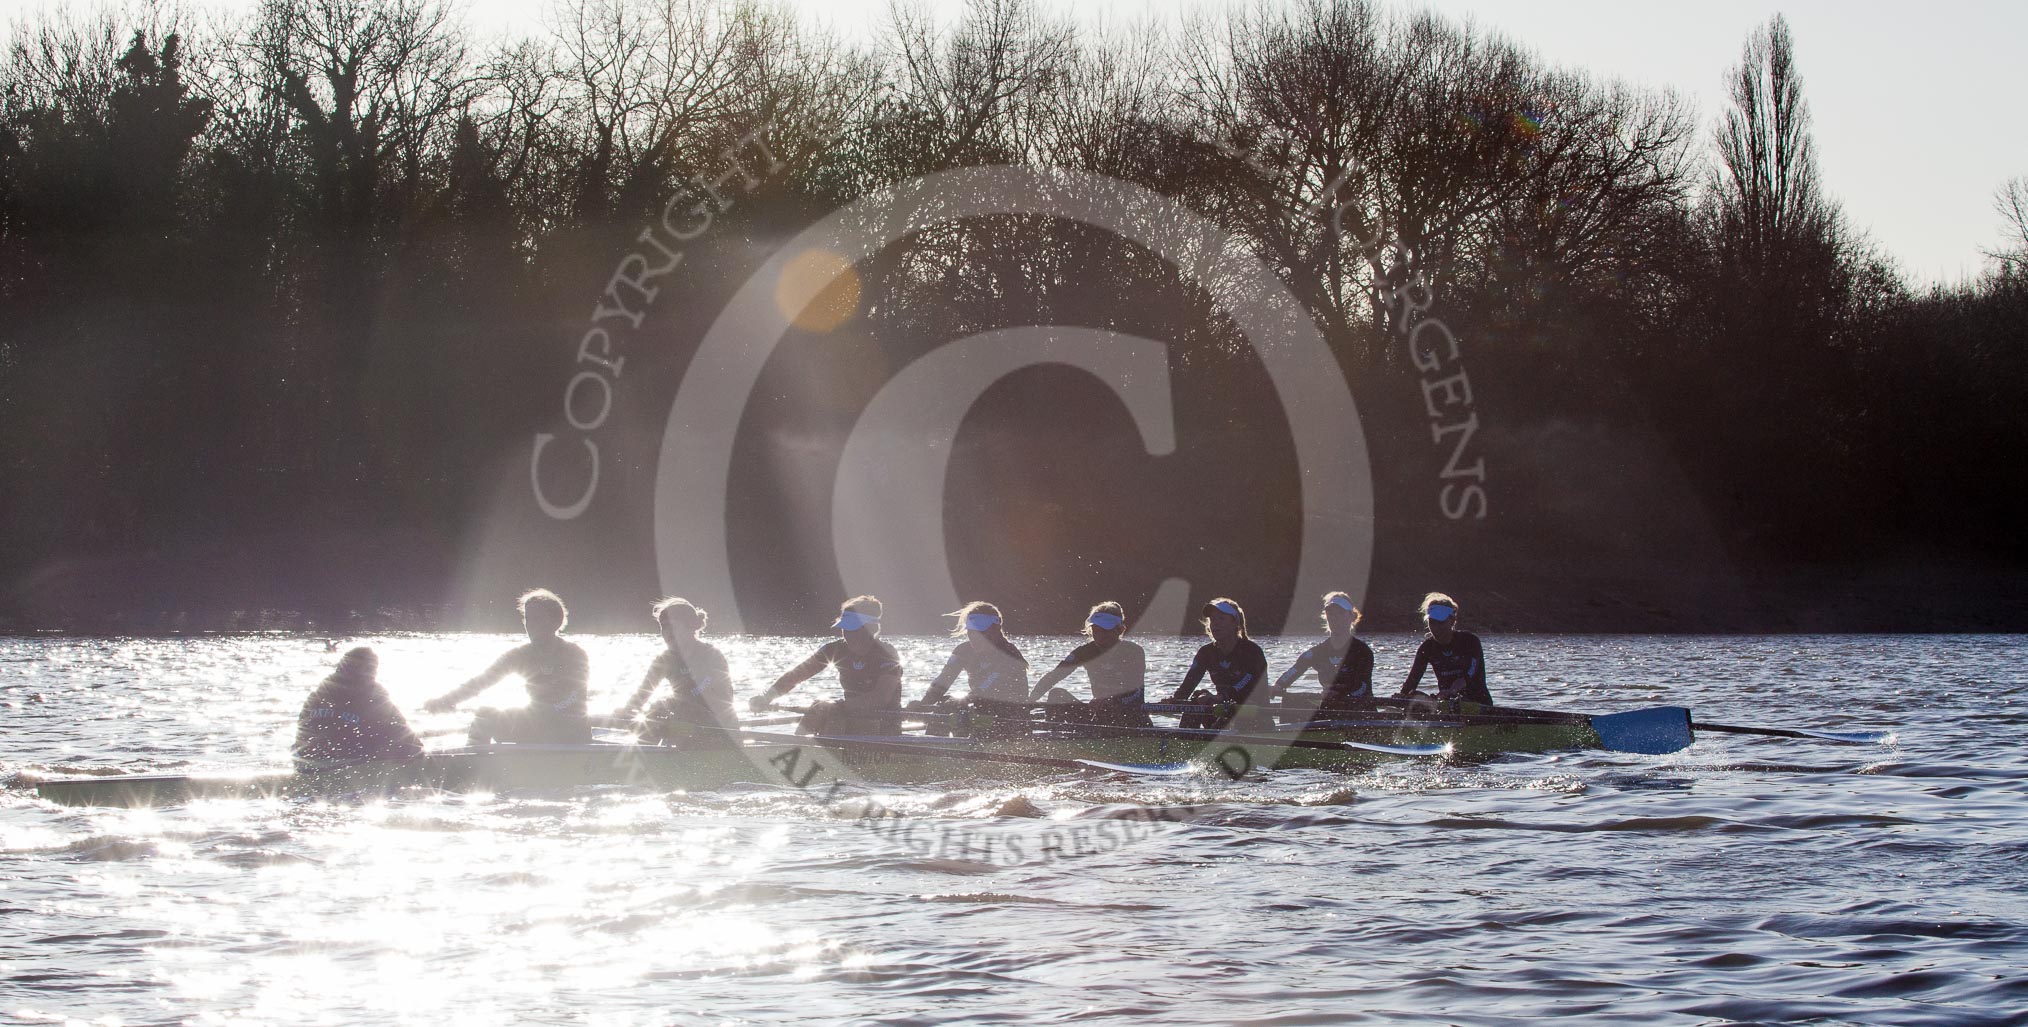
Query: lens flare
x,y
818,290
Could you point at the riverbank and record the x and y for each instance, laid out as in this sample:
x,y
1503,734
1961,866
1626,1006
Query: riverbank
x,y
353,586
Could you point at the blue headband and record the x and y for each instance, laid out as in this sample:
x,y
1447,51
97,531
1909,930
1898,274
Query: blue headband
x,y
1105,620
1226,608
1439,612
853,620
1341,603
980,621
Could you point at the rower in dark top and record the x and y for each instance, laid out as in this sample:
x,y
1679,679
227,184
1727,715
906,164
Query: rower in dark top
x,y
994,670
349,717
556,673
1116,668
1235,665
1344,663
869,672
1454,655
698,712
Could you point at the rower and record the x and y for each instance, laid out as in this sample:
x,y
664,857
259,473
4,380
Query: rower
x,y
349,717
1116,668
869,671
1452,653
994,670
1234,663
698,711
1343,662
555,671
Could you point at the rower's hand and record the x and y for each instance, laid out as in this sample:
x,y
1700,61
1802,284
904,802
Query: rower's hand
x,y
438,705
760,703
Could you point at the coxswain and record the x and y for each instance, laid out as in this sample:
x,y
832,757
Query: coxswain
x,y
349,717
1235,665
1343,662
699,711
869,673
1117,669
1452,654
555,671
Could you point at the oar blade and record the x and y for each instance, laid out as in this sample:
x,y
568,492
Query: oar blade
x,y
1430,749
1655,731
1144,769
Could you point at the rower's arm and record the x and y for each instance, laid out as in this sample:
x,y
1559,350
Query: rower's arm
x,y
1247,688
942,685
1361,659
649,682
1415,672
505,665
887,685
1473,681
305,732
1296,670
1051,677
796,675
1190,680
398,732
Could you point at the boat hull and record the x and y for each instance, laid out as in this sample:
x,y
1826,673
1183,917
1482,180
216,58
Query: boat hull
x,y
803,763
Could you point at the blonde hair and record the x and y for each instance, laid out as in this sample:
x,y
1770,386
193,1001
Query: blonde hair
x,y
1347,596
975,606
1106,607
542,598
673,603
1206,611
868,605
1438,598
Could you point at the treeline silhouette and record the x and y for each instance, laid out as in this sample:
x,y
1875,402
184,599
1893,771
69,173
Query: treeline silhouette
x,y
285,297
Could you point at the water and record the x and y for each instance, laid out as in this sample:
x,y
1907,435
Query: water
x,y
1744,879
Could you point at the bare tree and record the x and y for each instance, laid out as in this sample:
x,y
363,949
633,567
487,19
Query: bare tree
x,y
372,85
2011,201
975,95
63,62
646,86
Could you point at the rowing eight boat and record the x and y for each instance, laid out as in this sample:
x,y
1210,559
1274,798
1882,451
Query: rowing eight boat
x,y
903,759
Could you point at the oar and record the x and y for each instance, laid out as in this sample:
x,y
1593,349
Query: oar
x,y
1508,713
1210,735
1848,737
1207,735
1654,731
943,750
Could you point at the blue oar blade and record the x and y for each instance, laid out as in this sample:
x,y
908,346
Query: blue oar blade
x,y
1655,731
1148,769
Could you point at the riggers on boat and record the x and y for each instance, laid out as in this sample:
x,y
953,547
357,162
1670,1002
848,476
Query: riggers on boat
x,y
903,759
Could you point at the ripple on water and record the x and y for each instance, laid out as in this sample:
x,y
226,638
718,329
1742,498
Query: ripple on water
x,y
1753,880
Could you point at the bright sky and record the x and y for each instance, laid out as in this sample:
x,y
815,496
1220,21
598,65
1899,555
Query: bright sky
x,y
1918,109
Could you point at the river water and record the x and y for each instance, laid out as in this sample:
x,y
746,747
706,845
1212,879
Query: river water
x,y
1743,879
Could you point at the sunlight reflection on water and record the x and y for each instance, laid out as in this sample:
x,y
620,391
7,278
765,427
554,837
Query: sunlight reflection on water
x,y
1743,878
